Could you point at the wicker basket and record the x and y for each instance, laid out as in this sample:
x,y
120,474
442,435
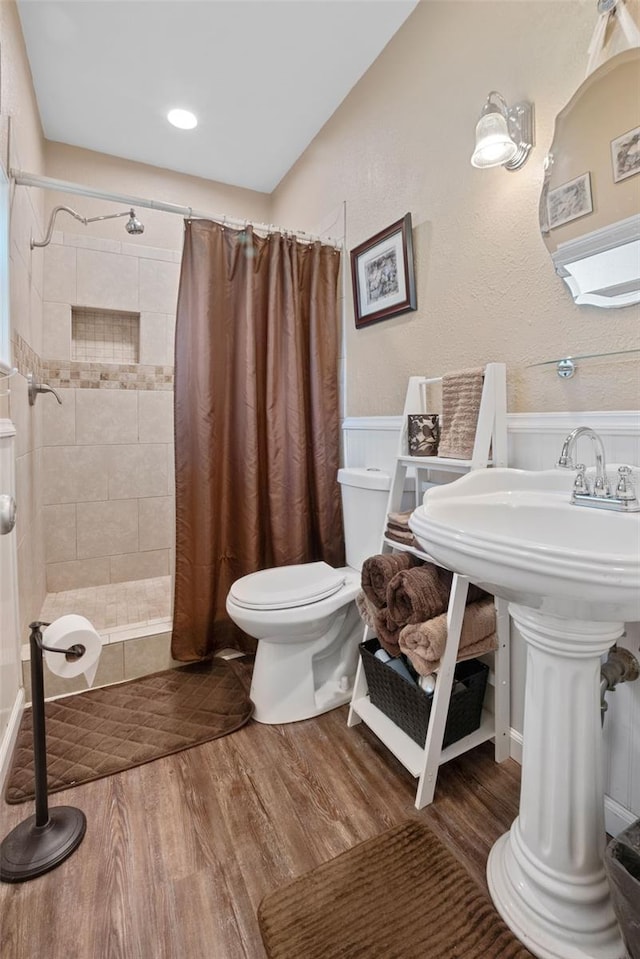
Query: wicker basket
x,y
409,706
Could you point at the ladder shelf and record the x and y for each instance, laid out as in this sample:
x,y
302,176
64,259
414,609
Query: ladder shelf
x,y
490,449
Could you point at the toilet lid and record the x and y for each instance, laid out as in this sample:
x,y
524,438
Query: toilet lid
x,y
284,587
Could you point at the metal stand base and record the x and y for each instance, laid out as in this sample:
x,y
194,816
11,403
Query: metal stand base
x,y
43,841
30,850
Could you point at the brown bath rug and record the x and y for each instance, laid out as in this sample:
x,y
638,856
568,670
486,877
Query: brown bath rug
x,y
401,895
108,730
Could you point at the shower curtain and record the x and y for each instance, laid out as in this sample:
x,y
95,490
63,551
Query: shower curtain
x,y
256,420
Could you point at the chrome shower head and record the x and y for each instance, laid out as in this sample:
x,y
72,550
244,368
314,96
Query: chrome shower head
x,y
133,224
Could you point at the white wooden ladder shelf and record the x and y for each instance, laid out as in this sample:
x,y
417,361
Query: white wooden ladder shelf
x,y
490,449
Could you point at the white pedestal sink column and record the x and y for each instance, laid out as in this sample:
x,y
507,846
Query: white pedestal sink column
x,y
546,875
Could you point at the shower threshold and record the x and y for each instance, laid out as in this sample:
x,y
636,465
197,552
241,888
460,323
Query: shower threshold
x,y
133,620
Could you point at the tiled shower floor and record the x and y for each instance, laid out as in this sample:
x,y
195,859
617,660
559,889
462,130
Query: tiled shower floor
x,y
117,608
134,623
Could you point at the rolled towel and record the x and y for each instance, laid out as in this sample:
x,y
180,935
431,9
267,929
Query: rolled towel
x,y
366,609
461,395
387,632
378,570
424,643
414,595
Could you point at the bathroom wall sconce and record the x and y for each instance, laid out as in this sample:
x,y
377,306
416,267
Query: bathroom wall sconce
x,y
504,135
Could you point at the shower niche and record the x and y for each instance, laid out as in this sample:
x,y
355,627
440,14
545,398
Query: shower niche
x,y
105,336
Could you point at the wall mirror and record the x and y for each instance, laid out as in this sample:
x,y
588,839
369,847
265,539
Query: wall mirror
x,y
590,202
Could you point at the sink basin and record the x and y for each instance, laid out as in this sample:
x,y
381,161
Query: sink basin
x,y
517,534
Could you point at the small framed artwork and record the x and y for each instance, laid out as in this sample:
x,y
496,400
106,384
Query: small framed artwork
x,y
570,201
383,275
625,155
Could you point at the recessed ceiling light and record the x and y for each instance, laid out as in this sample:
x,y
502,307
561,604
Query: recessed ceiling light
x,y
183,119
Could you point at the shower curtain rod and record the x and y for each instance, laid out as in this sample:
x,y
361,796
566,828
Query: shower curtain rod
x,y
49,183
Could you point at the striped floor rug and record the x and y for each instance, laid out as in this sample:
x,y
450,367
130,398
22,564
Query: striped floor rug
x,y
401,895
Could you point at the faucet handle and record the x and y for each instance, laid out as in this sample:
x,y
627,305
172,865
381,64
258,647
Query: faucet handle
x,y
581,484
624,489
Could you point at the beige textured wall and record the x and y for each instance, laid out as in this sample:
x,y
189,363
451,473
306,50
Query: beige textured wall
x,y
152,183
486,288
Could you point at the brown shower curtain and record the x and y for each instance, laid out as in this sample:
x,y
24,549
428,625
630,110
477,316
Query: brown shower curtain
x,y
256,420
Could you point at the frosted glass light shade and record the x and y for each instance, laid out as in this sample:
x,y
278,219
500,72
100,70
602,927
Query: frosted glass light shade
x,y
494,146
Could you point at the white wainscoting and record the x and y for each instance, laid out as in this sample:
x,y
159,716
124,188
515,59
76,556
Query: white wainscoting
x,y
535,441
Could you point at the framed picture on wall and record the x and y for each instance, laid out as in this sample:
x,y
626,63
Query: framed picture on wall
x,y
625,155
383,274
570,201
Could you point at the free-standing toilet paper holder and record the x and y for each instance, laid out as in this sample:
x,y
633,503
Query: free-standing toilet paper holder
x,y
46,839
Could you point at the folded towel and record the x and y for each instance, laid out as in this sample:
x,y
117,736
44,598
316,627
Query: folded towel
x,y
400,519
424,643
461,394
398,527
378,570
414,595
408,539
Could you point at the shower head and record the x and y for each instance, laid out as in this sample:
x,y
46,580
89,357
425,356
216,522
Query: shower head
x,y
133,224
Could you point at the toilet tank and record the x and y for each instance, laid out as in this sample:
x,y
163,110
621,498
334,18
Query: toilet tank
x,y
364,511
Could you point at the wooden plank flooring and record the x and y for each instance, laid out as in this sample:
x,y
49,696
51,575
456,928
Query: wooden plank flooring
x,y
179,853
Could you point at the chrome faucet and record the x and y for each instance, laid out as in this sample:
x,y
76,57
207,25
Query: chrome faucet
x,y
600,495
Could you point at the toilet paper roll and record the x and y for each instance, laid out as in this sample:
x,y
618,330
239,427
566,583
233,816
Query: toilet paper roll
x,y
69,631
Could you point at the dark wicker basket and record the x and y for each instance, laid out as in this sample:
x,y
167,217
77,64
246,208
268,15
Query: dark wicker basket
x,y
409,706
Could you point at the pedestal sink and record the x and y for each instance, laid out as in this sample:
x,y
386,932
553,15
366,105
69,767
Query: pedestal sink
x,y
572,578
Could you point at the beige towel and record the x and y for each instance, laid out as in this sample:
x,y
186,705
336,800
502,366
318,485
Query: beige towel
x,y
366,609
387,632
377,571
414,595
424,643
400,519
461,394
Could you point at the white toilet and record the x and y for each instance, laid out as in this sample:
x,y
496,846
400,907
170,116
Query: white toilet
x,y
305,617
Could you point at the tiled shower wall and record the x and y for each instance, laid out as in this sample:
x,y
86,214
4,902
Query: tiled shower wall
x,y
107,459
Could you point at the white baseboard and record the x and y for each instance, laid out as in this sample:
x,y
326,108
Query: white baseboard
x,y
515,751
616,817
10,736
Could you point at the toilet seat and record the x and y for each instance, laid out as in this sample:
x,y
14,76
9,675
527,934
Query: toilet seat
x,y
285,587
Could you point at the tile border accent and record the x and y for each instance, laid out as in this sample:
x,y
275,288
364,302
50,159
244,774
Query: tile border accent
x,y
76,374
72,374
25,358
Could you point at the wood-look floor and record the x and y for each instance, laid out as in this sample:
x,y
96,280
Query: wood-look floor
x,y
179,853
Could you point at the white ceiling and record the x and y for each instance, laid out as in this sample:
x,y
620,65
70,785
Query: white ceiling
x,y
263,76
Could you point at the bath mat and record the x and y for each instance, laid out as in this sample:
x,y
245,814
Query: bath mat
x,y
401,895
110,729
